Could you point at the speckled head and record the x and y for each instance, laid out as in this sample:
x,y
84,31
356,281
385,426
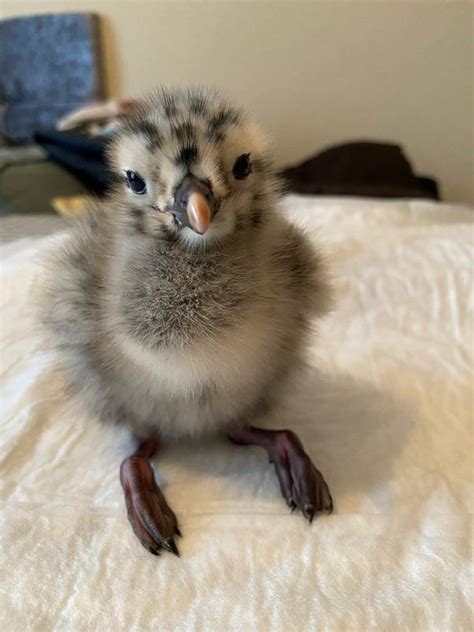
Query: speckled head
x,y
192,166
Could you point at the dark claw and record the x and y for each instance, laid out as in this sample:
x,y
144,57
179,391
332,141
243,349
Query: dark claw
x,y
308,512
152,548
175,548
152,551
170,546
178,532
326,498
291,504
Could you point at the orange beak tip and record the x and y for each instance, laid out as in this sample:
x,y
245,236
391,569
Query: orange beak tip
x,y
199,213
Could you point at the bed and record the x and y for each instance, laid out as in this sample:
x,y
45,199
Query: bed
x,y
385,411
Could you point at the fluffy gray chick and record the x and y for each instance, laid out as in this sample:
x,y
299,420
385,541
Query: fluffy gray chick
x,y
182,304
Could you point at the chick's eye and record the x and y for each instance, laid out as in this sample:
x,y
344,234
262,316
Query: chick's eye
x,y
136,183
242,167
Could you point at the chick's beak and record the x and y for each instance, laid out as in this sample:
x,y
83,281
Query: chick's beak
x,y
194,204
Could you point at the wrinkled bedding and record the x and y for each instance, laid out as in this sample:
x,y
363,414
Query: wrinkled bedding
x,y
385,411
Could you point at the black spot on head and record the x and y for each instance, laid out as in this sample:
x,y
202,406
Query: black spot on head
x,y
198,104
184,133
169,105
152,136
219,122
215,136
187,155
227,116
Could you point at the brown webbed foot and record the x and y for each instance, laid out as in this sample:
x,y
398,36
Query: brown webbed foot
x,y
302,485
152,520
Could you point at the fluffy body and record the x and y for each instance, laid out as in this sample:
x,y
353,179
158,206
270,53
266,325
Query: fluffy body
x,y
162,329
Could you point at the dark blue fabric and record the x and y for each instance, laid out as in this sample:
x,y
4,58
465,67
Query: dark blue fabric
x,y
49,65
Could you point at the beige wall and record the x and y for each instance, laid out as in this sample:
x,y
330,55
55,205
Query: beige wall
x,y
314,73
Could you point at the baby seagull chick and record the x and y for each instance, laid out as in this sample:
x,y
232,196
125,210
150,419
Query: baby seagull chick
x,y
183,303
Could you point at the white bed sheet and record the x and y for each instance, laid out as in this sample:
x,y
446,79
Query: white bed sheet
x,y
386,412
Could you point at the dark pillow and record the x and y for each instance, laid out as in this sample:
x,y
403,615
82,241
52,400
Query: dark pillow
x,y
359,168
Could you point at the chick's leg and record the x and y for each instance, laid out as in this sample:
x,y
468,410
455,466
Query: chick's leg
x,y
302,485
152,520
